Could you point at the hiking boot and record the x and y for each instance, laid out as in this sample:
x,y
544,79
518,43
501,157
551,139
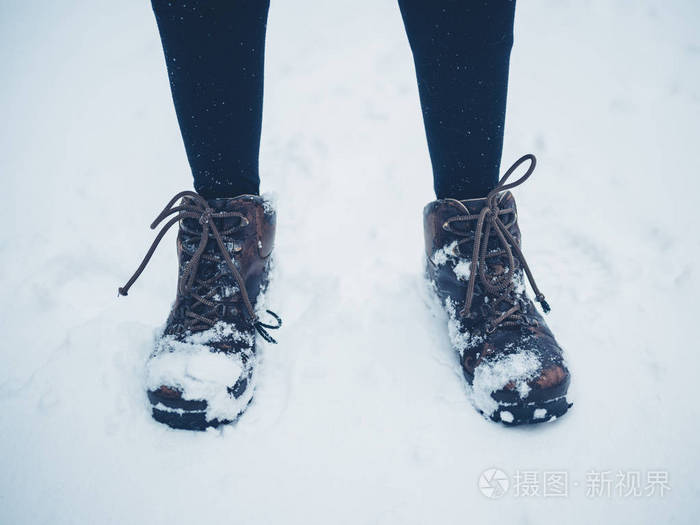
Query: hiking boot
x,y
509,357
202,371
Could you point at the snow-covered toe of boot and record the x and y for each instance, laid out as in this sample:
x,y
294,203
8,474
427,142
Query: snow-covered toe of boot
x,y
512,362
202,371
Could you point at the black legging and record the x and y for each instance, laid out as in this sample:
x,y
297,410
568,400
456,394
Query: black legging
x,y
214,51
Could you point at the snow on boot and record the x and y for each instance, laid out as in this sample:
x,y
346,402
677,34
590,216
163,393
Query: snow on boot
x,y
202,371
509,357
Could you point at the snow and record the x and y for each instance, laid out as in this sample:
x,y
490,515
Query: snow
x,y
463,270
507,416
199,373
491,376
361,413
446,255
461,339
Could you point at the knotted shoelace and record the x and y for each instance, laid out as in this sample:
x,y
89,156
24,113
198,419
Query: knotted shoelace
x,y
188,283
488,222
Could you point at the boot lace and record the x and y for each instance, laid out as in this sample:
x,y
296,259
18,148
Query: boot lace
x,y
199,289
498,286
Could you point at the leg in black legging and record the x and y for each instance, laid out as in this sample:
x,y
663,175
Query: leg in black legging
x,y
461,50
214,51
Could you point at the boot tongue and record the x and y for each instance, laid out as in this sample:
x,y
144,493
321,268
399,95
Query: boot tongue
x,y
223,204
474,206
192,226
230,231
504,201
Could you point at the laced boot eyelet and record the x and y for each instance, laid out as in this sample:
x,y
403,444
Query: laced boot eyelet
x,y
205,217
485,312
221,310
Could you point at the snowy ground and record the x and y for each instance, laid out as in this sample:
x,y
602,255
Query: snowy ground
x,y
361,414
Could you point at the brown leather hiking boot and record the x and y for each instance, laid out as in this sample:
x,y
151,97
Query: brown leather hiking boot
x,y
509,357
201,373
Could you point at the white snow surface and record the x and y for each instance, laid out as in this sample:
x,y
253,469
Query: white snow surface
x,y
361,413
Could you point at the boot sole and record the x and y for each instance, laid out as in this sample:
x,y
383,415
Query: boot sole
x,y
184,414
530,413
